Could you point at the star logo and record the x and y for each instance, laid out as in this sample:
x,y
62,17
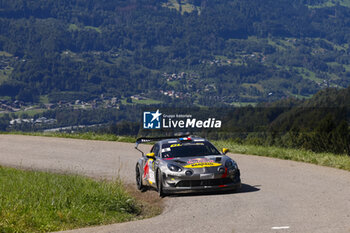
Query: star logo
x,y
152,120
156,115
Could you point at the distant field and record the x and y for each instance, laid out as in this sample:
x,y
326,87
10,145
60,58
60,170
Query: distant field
x,y
146,102
184,7
30,112
44,99
93,28
74,27
244,104
308,74
6,54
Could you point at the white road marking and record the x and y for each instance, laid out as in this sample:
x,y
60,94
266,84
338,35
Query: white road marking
x,y
280,228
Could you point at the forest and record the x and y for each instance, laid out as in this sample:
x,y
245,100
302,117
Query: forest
x,y
229,51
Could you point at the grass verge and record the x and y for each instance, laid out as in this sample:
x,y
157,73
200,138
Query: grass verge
x,y
323,159
85,136
33,201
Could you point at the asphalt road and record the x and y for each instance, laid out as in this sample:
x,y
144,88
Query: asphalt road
x,y
277,195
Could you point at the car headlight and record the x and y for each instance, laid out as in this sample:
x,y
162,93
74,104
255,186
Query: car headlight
x,y
230,164
174,168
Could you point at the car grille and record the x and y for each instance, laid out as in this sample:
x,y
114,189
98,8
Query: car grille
x,y
196,183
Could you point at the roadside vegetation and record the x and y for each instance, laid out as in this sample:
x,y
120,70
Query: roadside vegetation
x,y
33,201
341,161
323,159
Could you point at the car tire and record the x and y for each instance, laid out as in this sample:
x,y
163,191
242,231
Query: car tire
x,y
139,183
160,184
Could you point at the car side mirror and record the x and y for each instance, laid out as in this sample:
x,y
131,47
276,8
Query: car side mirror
x,y
225,150
150,155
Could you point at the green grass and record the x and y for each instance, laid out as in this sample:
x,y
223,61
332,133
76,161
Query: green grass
x,y
93,28
5,54
281,44
185,6
301,96
74,27
174,84
243,104
256,85
145,102
34,201
44,99
276,44
30,112
307,74
161,48
347,67
85,136
323,159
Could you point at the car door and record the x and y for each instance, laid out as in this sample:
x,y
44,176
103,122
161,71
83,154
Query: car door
x,y
150,167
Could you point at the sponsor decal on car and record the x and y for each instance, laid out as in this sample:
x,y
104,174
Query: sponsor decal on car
x,y
202,165
145,170
152,177
148,171
200,160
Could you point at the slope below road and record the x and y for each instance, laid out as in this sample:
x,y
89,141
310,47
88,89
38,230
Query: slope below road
x,y
277,195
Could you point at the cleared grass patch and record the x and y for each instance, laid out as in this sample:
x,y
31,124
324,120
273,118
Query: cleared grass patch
x,y
184,6
144,101
323,159
34,201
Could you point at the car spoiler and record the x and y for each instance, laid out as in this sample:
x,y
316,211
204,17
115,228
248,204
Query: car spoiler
x,y
152,139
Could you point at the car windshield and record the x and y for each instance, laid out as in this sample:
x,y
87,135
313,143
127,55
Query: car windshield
x,y
188,150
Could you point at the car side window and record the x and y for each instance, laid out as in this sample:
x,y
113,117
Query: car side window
x,y
155,149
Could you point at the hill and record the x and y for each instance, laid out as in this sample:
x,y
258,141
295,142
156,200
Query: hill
x,y
197,51
320,123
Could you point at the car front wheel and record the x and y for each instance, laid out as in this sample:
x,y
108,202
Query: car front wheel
x,y
139,184
160,184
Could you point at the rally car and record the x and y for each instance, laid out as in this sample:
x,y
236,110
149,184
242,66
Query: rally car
x,y
185,164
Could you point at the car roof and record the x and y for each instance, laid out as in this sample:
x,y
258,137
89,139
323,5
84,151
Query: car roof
x,y
180,140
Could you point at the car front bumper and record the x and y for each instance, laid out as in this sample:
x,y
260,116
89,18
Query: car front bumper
x,y
217,182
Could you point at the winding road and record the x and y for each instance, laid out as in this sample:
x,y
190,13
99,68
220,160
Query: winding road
x,y
276,196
